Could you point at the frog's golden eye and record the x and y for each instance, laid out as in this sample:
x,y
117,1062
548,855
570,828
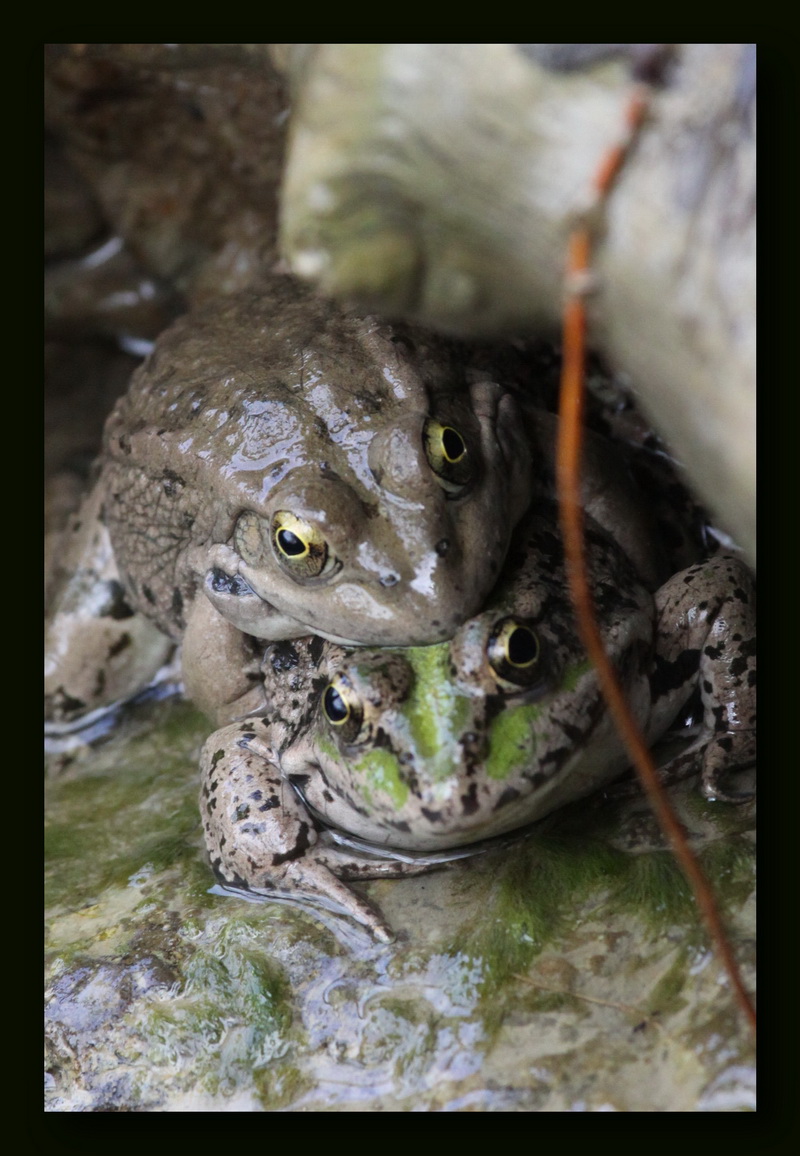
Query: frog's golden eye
x,y
342,708
448,455
514,652
300,547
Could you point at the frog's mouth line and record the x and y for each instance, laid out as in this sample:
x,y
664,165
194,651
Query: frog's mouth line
x,y
332,835
220,584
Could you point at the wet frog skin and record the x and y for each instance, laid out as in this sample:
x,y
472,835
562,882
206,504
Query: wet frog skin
x,y
421,751
304,470
280,467
98,649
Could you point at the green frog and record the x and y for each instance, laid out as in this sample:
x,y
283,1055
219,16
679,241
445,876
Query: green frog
x,y
385,762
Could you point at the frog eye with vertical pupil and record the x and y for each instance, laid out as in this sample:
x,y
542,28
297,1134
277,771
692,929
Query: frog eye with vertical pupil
x,y
299,546
447,455
342,708
514,653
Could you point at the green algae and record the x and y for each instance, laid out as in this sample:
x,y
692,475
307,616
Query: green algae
x,y
654,888
237,1028
726,818
669,994
538,889
230,1019
280,1084
122,839
134,820
543,890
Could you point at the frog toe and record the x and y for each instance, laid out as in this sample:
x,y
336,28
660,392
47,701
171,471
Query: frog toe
x,y
259,835
315,882
724,755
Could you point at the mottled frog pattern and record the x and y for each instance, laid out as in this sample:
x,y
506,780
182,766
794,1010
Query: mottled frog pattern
x,y
419,751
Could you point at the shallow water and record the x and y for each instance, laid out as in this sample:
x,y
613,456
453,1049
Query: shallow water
x,y
564,973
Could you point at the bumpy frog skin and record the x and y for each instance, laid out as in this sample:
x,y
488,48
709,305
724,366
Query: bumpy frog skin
x,y
304,470
278,468
416,752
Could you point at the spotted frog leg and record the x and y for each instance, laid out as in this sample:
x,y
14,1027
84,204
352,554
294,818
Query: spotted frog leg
x,y
98,649
276,848
706,634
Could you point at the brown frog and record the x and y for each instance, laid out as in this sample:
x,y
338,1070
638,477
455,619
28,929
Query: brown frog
x,y
280,467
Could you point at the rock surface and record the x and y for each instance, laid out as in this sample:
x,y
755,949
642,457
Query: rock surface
x,y
565,973
440,182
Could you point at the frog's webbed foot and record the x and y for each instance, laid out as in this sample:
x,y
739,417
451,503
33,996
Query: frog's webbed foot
x,y
707,625
259,835
311,878
717,757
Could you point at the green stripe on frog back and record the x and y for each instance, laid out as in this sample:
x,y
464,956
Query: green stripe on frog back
x,y
438,714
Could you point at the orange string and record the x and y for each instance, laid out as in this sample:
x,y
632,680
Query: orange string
x,y
570,443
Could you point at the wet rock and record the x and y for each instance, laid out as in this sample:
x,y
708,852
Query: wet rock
x,y
563,973
440,181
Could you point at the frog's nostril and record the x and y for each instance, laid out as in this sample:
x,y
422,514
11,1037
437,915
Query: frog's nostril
x,y
390,579
222,583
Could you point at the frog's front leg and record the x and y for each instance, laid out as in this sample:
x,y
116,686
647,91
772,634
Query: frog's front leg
x,y
259,835
221,665
706,638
